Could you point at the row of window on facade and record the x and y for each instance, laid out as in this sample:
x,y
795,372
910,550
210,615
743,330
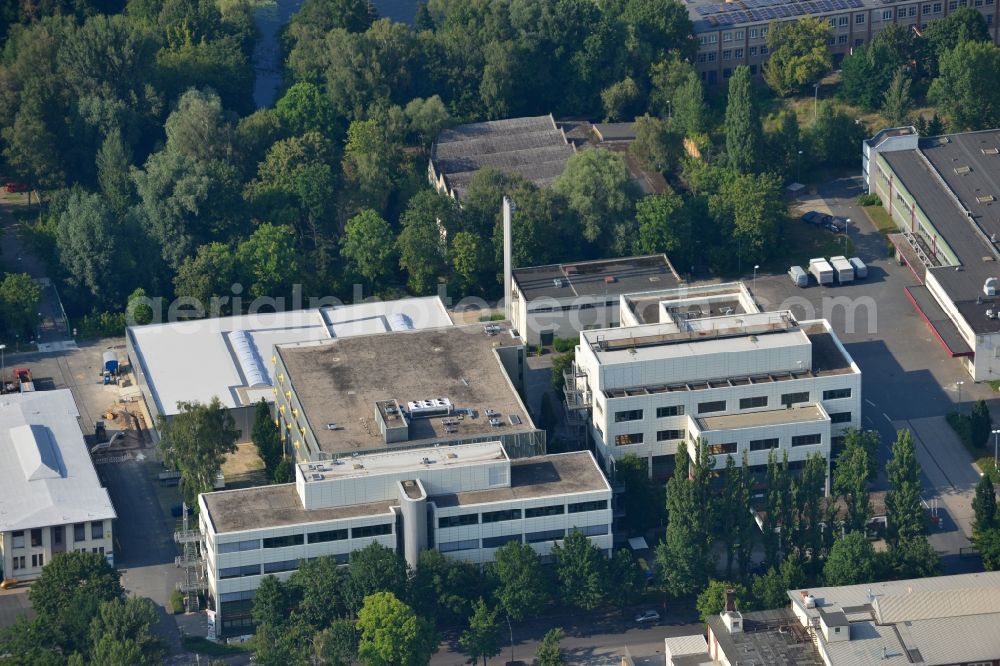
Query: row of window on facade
x,y
713,406
38,559
444,547
515,514
300,539
755,444
79,534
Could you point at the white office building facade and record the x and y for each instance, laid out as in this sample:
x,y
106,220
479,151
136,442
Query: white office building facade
x,y
754,382
466,501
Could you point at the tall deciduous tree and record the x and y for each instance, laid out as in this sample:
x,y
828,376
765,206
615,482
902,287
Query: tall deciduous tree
x,y
798,53
195,441
482,637
898,100
270,261
599,189
712,599
444,589
374,568
852,560
743,126
392,634
683,556
126,625
337,645
522,589
904,513
981,423
984,505
549,651
688,106
958,92
270,603
851,479
371,163
19,299
266,437
421,243
319,586
581,569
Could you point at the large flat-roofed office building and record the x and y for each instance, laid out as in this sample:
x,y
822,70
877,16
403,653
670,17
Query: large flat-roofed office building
x,y
742,382
942,193
466,501
51,500
933,621
229,358
735,33
560,300
399,390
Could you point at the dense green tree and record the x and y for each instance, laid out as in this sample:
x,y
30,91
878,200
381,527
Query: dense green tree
x,y
809,498
744,525
851,477
319,586
898,100
421,243
549,652
392,634
444,589
371,163
482,637
287,645
784,145
19,299
778,522
369,246
988,544
599,189
957,91
712,600
981,423
68,594
771,589
199,128
729,508
427,117
374,568
209,274
984,505
284,472
798,53
195,442
912,558
965,24
544,229
269,260
626,580
521,586
137,308
126,627
88,242
683,557
750,208
303,108
621,100
270,603
581,569
688,107
743,126
852,560
266,438
113,165
655,146
904,513
833,136
337,645
666,78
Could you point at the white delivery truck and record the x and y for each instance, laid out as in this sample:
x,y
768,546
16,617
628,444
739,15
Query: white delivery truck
x,y
842,269
821,270
799,277
860,270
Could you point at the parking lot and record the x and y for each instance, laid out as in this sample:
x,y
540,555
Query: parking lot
x,y
908,380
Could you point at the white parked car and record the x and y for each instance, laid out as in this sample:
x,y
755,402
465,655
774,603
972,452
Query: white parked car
x,y
648,616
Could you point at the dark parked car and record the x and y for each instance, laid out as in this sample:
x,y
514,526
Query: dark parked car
x,y
16,187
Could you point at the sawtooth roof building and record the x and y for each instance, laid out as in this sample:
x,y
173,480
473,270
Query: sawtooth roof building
x,y
943,194
534,148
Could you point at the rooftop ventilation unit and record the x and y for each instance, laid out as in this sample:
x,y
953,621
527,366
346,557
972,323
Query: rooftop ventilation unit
x,y
399,321
990,286
986,198
962,170
429,407
990,151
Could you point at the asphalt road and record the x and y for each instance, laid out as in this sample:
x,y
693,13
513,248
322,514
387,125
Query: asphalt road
x,y
591,639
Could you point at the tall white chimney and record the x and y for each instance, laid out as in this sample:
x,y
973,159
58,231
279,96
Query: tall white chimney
x,y
508,212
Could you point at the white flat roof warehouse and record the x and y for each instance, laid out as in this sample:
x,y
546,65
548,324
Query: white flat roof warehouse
x,y
230,357
46,475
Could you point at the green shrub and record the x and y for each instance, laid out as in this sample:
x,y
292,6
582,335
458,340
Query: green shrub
x,y
176,602
563,345
102,325
492,317
869,200
962,425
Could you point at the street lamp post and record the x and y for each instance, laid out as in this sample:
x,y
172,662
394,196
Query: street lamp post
x,y
755,267
815,101
959,385
996,433
670,108
798,167
3,370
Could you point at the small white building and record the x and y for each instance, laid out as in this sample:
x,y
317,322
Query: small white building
x,y
466,501
51,500
746,381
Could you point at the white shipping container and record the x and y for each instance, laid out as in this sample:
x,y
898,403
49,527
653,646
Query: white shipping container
x,y
821,270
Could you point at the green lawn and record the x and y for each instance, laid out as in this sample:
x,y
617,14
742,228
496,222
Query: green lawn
x,y
880,219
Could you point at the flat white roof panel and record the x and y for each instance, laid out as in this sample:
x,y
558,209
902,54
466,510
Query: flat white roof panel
x,y
46,475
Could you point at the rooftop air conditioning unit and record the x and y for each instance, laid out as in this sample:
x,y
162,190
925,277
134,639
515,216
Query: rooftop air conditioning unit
x,y
990,286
